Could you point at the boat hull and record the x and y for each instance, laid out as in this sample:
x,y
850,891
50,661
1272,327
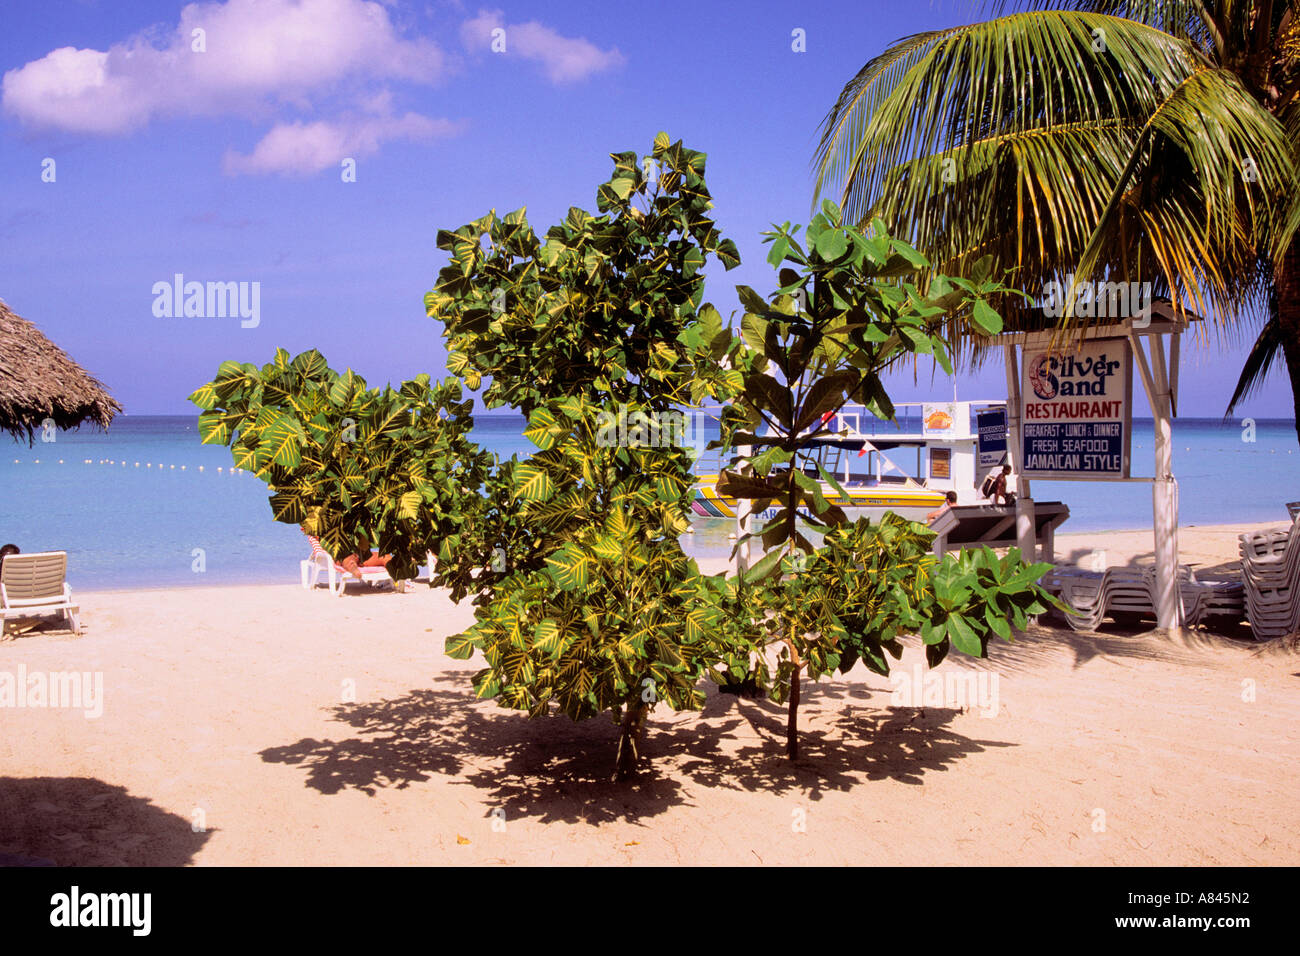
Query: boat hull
x,y
873,502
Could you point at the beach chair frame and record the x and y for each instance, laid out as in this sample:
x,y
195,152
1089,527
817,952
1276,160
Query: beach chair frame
x,y
322,565
35,585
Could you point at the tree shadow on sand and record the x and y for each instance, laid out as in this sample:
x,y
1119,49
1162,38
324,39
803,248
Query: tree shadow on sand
x,y
554,770
860,741
82,821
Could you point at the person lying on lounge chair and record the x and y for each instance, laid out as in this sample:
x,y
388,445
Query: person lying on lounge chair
x,y
353,564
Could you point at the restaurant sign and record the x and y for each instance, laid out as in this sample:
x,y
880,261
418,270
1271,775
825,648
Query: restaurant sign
x,y
1077,411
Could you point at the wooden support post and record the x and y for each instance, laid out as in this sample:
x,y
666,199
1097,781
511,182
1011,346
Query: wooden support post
x,y
1164,497
1025,538
1164,500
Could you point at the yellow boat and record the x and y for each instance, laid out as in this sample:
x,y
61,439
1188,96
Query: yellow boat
x,y
871,502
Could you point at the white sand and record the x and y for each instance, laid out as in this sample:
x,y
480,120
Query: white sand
x,y
1118,749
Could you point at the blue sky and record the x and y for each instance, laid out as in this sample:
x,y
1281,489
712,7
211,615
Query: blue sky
x,y
224,165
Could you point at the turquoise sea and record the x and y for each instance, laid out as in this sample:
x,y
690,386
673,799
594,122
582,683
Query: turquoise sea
x,y
166,523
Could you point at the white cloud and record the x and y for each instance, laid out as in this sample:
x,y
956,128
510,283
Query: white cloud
x,y
564,59
321,71
304,148
259,53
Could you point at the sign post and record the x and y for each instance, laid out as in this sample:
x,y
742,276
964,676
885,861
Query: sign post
x,y
1070,416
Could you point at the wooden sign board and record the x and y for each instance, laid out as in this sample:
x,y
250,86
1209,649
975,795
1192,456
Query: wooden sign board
x,y
1076,411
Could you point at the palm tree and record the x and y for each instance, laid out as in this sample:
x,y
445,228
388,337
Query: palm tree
x,y
1129,140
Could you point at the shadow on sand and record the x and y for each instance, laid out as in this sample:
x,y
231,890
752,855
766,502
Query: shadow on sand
x,y
554,770
82,821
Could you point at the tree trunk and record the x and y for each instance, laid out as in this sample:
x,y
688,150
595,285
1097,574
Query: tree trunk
x,y
792,723
1287,290
629,755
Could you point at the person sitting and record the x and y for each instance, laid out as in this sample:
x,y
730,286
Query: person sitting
x,y
999,493
950,499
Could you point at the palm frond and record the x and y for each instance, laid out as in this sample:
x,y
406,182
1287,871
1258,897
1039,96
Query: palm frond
x,y
1070,142
1259,362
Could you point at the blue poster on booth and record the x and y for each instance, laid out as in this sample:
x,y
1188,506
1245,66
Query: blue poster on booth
x,y
991,443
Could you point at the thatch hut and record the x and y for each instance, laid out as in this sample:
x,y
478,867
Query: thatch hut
x,y
38,381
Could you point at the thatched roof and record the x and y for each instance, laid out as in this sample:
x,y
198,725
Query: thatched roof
x,y
38,381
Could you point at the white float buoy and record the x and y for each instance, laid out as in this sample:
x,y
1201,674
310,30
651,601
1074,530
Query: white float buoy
x,y
200,467
218,467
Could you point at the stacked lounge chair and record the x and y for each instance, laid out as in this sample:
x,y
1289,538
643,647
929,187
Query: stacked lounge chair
x,y
1270,568
1126,590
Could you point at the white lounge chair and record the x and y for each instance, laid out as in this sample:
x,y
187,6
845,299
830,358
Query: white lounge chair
x,y
33,585
1127,590
336,577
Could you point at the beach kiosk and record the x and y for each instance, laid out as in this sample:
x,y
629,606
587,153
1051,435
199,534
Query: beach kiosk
x,y
1070,418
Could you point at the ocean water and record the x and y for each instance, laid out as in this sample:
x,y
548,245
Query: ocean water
x,y
181,518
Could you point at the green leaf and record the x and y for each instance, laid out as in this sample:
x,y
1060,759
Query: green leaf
x,y
532,483
460,646
770,564
569,567
543,429
728,254
831,244
205,397
281,442
985,318
963,636
546,637
825,394
214,428
409,505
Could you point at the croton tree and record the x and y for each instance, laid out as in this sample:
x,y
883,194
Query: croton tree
x,y
845,312
360,468
594,606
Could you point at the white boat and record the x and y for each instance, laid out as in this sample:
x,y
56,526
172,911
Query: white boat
x,y
887,468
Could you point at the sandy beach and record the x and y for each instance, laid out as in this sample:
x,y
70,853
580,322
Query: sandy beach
x,y
270,725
